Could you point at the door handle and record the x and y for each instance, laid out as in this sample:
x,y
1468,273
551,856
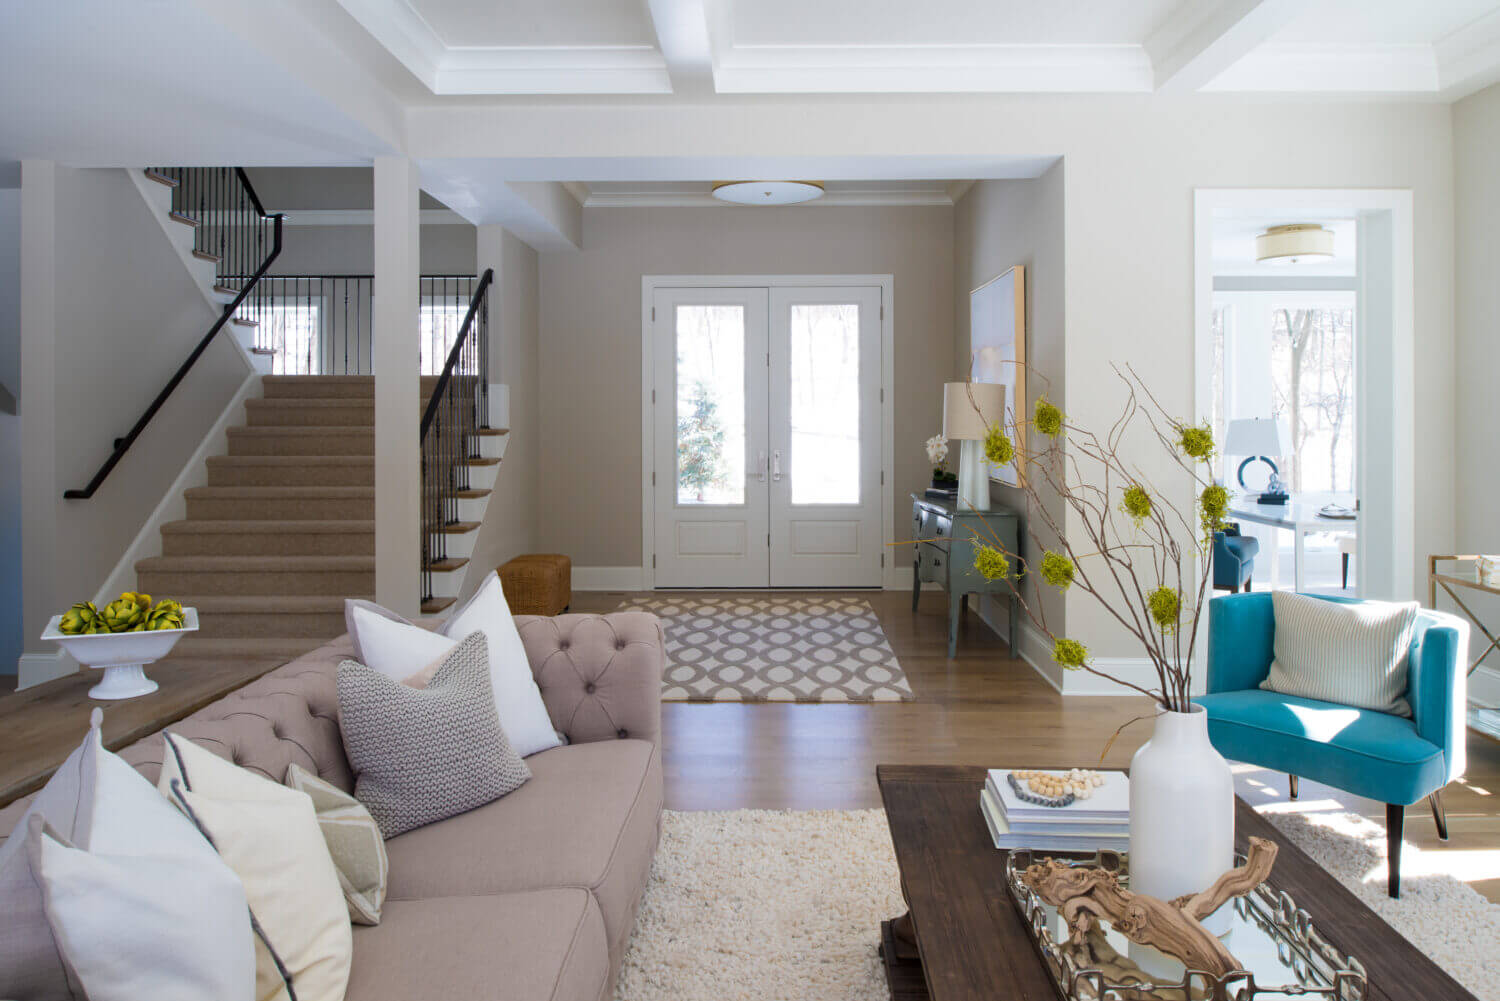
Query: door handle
x,y
776,465
762,465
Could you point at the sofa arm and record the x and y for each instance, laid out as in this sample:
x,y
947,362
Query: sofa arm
x,y
600,675
1241,634
1438,685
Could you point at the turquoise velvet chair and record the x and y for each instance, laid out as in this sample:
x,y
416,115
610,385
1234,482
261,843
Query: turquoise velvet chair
x,y
1395,760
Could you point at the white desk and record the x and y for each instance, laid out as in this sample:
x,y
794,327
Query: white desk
x,y
1299,515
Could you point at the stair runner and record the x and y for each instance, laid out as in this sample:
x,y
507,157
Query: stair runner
x,y
285,529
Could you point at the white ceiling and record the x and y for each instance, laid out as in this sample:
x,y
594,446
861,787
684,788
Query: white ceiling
x,y
699,193
1443,48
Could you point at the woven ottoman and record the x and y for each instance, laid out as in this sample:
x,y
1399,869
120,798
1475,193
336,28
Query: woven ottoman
x,y
538,584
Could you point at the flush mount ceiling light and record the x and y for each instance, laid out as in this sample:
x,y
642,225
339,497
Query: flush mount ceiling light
x,y
1293,243
767,192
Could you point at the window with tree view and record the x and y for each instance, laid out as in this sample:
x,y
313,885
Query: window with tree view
x,y
1290,356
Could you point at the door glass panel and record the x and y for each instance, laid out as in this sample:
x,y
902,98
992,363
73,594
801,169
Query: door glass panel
x,y
824,462
710,404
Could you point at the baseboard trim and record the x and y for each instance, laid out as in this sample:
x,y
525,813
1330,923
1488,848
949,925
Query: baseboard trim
x,y
173,506
1484,687
607,579
35,668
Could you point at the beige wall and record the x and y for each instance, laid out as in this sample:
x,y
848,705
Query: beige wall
x,y
126,313
510,520
1476,171
997,225
590,358
446,249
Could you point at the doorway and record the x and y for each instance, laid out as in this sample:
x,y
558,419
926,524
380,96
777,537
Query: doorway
x,y
767,434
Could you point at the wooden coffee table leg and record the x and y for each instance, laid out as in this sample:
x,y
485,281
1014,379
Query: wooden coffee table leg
x,y
902,960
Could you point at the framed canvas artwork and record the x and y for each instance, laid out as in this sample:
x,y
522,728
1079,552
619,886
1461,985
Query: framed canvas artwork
x,y
997,353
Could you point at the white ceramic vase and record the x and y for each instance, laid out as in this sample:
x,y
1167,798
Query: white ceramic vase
x,y
1181,812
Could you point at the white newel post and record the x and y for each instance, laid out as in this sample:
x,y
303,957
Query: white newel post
x,y
394,355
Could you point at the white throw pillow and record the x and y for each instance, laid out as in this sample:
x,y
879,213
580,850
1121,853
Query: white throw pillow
x,y
1351,654
110,893
269,835
398,649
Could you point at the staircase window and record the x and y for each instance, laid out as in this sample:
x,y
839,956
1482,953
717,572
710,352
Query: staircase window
x,y
293,335
441,320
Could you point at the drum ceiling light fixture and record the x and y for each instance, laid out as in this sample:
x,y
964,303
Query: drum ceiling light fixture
x,y
767,192
1293,243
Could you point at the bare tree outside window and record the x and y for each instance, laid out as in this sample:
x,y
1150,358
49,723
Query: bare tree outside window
x,y
1312,363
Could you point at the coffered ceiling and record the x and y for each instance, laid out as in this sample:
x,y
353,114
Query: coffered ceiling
x,y
1445,48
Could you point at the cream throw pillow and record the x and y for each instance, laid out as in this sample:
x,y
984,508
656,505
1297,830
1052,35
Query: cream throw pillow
x,y
399,649
108,892
354,843
1351,654
269,835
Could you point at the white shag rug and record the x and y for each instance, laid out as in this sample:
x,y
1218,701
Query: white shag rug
x,y
745,905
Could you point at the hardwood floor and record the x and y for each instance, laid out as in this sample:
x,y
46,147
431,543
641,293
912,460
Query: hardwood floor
x,y
981,708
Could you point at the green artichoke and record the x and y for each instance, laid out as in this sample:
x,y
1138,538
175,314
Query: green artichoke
x,y
165,614
81,619
127,613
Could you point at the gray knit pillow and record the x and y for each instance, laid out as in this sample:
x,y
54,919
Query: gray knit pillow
x,y
421,755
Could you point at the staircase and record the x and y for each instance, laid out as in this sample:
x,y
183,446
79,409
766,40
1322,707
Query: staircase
x,y
285,529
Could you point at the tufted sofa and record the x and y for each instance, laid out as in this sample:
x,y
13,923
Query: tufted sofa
x,y
529,898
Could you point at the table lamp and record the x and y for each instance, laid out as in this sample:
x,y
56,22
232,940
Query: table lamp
x,y
969,409
1257,438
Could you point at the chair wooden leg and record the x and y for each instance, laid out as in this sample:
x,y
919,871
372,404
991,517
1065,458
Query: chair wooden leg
x,y
1439,815
1247,585
1291,782
1395,817
1346,570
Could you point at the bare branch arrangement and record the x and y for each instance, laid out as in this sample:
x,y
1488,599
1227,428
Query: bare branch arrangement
x,y
1144,560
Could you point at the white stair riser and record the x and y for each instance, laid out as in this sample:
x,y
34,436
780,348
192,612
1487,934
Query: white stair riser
x,y
446,584
161,197
483,477
472,508
491,446
457,545
204,272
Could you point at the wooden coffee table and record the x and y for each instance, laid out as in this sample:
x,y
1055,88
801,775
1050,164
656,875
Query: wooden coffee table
x,y
962,938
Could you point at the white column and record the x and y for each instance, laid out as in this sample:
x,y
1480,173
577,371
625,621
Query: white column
x,y
41,493
394,354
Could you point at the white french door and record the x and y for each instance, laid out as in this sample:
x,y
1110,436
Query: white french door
x,y
767,436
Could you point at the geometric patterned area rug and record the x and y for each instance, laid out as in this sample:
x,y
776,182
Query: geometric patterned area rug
x,y
774,648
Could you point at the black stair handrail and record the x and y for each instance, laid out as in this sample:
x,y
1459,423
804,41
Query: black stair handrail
x,y
458,407
122,445
457,352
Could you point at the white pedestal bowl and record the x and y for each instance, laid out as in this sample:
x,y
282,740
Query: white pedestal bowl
x,y
122,656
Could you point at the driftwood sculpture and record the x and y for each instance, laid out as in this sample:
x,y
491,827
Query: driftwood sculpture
x,y
1084,895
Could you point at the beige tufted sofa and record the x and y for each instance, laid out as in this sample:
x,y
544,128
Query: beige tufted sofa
x,y
529,898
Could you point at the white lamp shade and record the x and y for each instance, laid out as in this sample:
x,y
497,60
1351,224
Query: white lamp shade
x,y
969,408
1253,436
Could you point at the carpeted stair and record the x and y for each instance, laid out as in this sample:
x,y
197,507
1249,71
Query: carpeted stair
x,y
284,530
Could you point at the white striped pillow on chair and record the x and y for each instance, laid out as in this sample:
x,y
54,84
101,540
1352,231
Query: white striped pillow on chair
x,y
1352,654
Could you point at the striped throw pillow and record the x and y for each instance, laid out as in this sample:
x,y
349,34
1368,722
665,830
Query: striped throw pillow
x,y
1352,654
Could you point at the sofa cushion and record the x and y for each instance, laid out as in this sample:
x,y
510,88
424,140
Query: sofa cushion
x,y
1368,753
545,945
588,818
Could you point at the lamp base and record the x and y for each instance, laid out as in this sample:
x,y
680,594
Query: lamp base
x,y
973,477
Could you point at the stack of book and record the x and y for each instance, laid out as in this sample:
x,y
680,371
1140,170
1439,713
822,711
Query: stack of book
x,y
1100,822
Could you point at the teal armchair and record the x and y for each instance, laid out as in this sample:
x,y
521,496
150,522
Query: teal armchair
x,y
1392,759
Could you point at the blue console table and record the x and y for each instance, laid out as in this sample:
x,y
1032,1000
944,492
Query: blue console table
x,y
946,537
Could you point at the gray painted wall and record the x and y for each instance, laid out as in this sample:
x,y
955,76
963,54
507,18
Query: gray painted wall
x,y
350,250
997,225
127,313
10,430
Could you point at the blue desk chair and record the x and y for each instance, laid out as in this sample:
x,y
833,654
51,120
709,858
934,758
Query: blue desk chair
x,y
1395,760
1234,559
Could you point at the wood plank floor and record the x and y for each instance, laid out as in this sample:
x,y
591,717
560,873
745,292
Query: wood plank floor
x,y
981,708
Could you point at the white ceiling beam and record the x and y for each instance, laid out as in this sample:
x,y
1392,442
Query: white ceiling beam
x,y
544,214
1468,60
682,37
1200,40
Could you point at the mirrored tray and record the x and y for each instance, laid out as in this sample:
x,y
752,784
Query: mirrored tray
x,y
1283,954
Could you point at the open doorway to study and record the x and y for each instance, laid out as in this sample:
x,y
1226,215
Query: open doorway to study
x,y
1305,339
1285,337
